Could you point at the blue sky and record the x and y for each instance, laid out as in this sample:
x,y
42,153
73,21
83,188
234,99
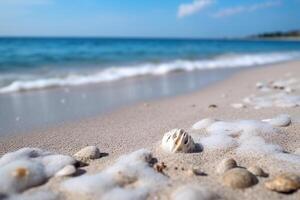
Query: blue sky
x,y
147,18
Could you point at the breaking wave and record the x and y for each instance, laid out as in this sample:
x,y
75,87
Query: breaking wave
x,y
155,69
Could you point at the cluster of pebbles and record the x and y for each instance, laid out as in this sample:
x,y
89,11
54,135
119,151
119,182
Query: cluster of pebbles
x,y
139,174
231,174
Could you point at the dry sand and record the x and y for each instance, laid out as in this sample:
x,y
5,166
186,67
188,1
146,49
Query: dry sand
x,y
143,126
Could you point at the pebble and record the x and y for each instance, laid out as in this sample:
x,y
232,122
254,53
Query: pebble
x,y
212,106
225,165
66,171
178,140
280,120
239,178
193,192
257,171
284,183
87,153
195,172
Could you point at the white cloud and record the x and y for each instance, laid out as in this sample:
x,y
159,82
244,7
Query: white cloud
x,y
251,8
193,7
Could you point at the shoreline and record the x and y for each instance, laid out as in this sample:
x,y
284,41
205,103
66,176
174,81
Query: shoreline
x,y
143,126
226,86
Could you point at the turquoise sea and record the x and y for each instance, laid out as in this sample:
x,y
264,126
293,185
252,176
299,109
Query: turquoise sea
x,y
49,81
37,63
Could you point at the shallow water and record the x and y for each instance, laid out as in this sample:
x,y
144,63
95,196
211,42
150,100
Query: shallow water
x,y
21,112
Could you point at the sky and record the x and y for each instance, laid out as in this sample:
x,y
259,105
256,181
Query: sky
x,y
147,18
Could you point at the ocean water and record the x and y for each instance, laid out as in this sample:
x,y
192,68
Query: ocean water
x,y
49,81
38,63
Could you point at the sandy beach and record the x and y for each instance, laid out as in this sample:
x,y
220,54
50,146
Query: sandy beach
x,y
143,126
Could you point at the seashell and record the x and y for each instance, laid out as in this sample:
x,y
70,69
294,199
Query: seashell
x,y
239,178
257,171
87,153
177,140
68,170
20,172
204,123
284,183
280,120
238,105
193,192
225,165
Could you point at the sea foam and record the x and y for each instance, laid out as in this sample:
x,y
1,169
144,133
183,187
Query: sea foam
x,y
131,177
246,137
25,82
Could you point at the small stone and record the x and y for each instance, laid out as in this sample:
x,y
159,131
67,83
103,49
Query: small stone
x,y
280,120
239,178
225,165
284,183
193,192
87,153
195,172
66,171
257,171
212,106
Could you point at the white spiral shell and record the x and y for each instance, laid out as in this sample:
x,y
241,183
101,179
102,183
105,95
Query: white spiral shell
x,y
178,140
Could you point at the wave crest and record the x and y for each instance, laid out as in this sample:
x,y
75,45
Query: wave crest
x,y
117,73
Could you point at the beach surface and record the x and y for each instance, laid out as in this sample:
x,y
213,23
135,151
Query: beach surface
x,y
143,126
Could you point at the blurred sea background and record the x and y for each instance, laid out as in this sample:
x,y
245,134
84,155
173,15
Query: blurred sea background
x,y
45,81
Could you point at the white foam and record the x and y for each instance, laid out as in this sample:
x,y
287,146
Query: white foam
x,y
39,195
204,123
131,177
29,167
26,82
193,192
280,99
247,137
